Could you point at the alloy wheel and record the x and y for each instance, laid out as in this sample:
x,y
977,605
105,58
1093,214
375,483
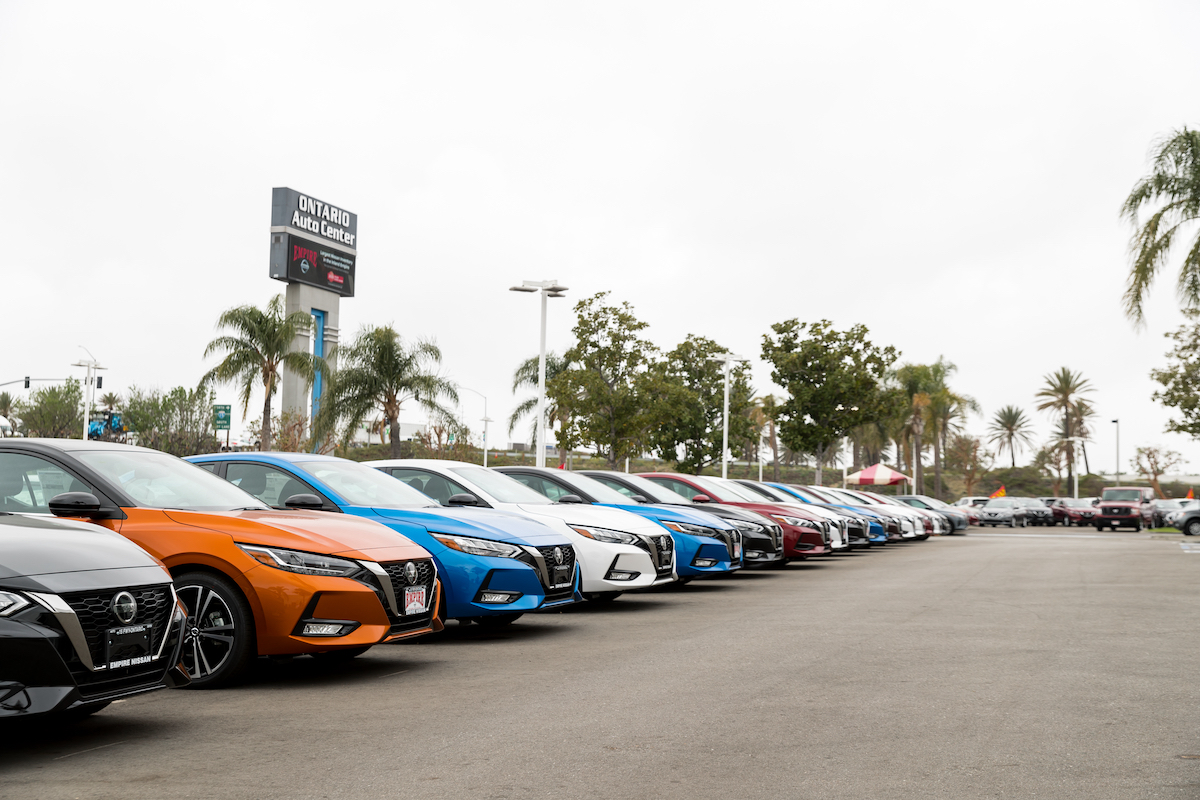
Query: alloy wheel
x,y
209,634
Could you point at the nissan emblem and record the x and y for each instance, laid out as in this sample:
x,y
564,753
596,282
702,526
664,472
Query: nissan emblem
x,y
558,555
124,607
410,572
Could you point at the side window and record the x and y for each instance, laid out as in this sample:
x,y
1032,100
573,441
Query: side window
x,y
27,483
270,485
617,485
210,466
432,486
540,485
677,486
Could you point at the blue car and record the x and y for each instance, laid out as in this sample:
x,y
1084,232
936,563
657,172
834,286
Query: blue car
x,y
877,534
494,566
704,544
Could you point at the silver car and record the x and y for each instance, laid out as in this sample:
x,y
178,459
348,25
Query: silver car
x,y
1003,511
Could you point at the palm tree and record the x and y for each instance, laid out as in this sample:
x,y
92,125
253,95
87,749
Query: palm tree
x,y
526,376
6,404
379,371
1061,395
1173,188
768,404
259,347
1010,428
110,400
917,381
944,410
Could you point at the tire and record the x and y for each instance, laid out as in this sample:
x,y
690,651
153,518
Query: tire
x,y
1192,527
345,654
1137,526
1012,522
219,642
497,620
601,597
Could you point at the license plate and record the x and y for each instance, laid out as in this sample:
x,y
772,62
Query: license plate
x,y
737,549
665,559
562,576
414,600
128,646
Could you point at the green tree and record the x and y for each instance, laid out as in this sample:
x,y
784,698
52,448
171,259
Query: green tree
x,y
557,411
689,388
1172,190
54,412
768,404
257,348
379,371
1061,394
110,400
178,421
1180,379
967,456
833,381
917,382
6,404
605,388
1011,429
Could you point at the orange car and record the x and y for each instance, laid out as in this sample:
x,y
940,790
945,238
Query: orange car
x,y
256,581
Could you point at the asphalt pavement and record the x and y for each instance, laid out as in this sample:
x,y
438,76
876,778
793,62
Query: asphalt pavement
x,y
1047,663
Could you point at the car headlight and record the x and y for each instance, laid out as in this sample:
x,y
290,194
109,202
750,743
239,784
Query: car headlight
x,y
11,603
796,521
687,527
746,525
301,562
478,547
605,534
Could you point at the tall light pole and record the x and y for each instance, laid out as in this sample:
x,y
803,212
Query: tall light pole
x,y
89,390
486,419
548,289
1117,422
1075,440
726,359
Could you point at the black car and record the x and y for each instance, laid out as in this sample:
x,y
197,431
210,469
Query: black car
x,y
1036,512
86,617
762,538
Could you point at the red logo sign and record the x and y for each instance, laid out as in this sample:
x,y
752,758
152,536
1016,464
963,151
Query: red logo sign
x,y
335,278
299,253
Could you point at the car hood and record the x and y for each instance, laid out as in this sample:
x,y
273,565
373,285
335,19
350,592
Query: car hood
x,y
313,531
32,546
481,523
581,514
1120,504
672,513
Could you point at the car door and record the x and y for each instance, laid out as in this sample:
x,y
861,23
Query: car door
x,y
544,486
434,486
270,484
28,482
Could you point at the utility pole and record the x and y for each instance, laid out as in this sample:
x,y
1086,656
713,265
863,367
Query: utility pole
x,y
89,387
726,359
547,289
1117,422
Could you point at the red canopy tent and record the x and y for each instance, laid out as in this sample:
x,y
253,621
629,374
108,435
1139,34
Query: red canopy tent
x,y
878,475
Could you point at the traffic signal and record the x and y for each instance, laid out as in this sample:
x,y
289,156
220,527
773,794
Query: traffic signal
x,y
99,381
26,381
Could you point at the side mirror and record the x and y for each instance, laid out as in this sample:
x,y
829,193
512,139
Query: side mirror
x,y
306,501
701,498
637,498
462,499
570,498
1096,502
75,504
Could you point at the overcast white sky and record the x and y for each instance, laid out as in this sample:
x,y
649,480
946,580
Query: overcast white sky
x,y
947,173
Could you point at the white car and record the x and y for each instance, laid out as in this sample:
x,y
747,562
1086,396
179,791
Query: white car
x,y
617,551
912,524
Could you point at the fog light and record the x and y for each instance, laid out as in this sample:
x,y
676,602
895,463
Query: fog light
x,y
754,554
621,575
322,629
704,562
497,597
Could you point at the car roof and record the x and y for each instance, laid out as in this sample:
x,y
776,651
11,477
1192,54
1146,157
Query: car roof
x,y
275,454
419,462
70,445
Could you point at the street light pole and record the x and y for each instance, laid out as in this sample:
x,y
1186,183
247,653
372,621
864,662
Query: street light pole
x,y
1117,422
548,289
726,359
89,391
486,419
1075,440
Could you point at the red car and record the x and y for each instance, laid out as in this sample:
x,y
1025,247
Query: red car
x,y
1125,507
804,533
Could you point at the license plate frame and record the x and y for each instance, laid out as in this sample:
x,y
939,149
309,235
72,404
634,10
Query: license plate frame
x,y
128,646
415,601
561,577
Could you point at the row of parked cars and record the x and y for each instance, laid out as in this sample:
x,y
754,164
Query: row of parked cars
x,y
124,570
1133,507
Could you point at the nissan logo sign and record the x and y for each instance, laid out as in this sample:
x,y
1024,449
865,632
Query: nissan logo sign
x,y
558,555
410,572
124,607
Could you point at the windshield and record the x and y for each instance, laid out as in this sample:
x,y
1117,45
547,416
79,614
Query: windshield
x,y
501,487
649,490
726,487
1082,502
1172,504
1000,502
590,486
157,480
775,494
1123,495
839,497
360,485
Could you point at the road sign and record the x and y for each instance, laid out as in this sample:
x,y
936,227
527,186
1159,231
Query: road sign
x,y
221,417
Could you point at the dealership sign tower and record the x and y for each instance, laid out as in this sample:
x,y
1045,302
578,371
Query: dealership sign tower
x,y
313,248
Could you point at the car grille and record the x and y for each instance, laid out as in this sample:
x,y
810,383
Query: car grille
x,y
663,547
568,554
93,609
1116,511
427,577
